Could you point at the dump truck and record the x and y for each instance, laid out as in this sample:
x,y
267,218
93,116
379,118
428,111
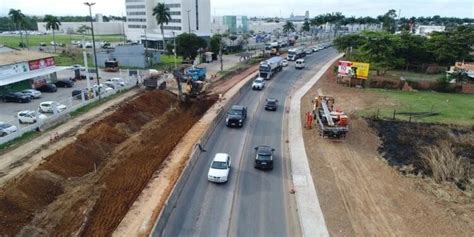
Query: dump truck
x,y
197,73
270,67
154,80
332,123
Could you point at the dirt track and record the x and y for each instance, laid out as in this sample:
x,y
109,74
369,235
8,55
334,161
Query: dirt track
x,y
360,194
87,187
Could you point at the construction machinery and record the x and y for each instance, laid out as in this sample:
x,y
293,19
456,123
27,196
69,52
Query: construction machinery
x,y
193,88
155,80
111,66
332,123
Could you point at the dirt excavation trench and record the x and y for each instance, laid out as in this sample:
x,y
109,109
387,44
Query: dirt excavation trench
x,y
86,188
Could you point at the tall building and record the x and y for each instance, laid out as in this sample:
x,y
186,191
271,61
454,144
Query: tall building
x,y
192,16
236,24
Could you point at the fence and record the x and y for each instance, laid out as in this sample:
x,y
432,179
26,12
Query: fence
x,y
402,115
72,104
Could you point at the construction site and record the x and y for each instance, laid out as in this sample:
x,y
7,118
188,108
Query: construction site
x,y
375,181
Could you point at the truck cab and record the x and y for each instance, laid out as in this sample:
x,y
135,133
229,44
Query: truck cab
x,y
236,116
299,64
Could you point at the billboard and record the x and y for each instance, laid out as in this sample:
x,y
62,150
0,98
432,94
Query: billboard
x,y
344,68
41,63
13,69
362,70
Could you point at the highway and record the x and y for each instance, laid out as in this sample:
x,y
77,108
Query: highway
x,y
253,202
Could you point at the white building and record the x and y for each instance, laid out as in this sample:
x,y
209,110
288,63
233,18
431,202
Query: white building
x,y
192,16
100,28
425,30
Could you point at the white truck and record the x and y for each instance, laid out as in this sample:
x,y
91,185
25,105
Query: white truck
x,y
270,67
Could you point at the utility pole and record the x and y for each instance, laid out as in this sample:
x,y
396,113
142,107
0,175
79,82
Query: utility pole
x,y
220,50
189,22
174,51
146,48
90,4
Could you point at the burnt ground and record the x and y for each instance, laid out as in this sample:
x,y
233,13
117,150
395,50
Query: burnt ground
x,y
402,142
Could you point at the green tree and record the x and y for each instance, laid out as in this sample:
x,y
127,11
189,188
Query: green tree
x,y
349,41
162,16
288,27
18,19
379,49
388,20
214,43
233,38
187,45
306,27
52,23
451,46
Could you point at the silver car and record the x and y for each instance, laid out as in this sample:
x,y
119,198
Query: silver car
x,y
35,94
6,129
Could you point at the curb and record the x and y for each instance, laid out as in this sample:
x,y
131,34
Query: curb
x,y
309,212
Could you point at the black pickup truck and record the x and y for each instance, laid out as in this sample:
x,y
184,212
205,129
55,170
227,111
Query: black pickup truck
x,y
236,116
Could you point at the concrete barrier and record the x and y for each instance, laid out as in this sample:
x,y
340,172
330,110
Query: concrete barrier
x,y
183,178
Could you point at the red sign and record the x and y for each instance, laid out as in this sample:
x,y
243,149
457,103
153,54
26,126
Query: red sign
x,y
41,63
344,67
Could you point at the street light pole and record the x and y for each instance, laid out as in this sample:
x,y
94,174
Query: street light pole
x,y
174,42
90,4
189,22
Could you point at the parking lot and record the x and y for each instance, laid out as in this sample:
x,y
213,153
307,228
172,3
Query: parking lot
x,y
9,110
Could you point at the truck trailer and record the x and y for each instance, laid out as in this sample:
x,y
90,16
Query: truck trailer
x,y
295,54
270,67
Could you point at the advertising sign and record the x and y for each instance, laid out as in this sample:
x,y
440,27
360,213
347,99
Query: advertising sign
x,y
362,70
344,68
13,69
41,63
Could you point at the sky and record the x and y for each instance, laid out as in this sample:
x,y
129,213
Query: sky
x,y
272,8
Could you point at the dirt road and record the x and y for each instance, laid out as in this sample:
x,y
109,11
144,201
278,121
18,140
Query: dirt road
x,y
360,195
88,186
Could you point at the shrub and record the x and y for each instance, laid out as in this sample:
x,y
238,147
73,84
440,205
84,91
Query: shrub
x,y
444,165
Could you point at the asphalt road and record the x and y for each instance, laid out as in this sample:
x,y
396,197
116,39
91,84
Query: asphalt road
x,y
253,202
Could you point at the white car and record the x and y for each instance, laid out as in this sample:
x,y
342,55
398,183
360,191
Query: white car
x,y
284,63
35,94
299,64
101,88
258,84
48,107
220,168
30,116
117,80
6,129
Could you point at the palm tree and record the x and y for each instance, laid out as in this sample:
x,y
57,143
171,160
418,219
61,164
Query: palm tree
x,y
52,23
18,18
288,27
162,16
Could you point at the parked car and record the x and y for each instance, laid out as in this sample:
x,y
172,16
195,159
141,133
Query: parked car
x,y
76,94
284,63
16,97
48,88
308,51
34,94
116,80
30,116
271,104
264,157
219,169
236,116
101,88
64,83
48,107
6,129
258,84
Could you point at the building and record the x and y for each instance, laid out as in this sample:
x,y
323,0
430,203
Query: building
x,y
294,18
269,27
21,69
128,56
100,28
235,24
193,16
425,30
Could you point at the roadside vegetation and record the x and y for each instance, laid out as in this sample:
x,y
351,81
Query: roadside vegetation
x,y
35,40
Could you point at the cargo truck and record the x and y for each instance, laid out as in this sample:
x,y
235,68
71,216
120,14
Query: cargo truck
x,y
270,67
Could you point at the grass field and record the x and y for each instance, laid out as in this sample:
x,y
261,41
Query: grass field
x,y
452,108
167,62
35,40
413,76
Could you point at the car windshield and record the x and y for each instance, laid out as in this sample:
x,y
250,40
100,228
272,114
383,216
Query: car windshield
x,y
264,157
258,81
4,125
235,112
271,102
219,165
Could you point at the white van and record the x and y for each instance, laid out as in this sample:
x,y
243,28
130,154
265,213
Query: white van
x,y
299,64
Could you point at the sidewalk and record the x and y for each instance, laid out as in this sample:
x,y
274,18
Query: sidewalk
x,y
310,215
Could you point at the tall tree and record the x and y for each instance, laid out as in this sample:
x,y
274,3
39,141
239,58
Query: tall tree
x,y
187,45
288,27
388,20
52,23
18,19
306,27
163,17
